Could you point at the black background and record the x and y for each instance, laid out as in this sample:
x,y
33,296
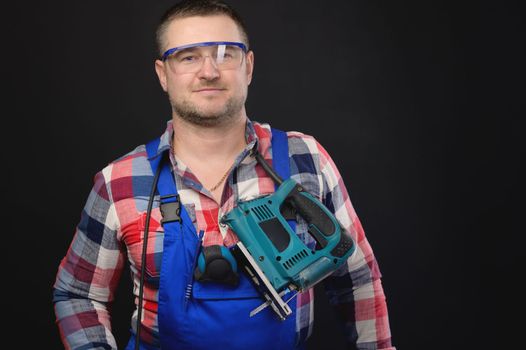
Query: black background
x,y
420,104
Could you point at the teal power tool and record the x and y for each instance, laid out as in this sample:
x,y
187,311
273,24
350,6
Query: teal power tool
x,y
272,254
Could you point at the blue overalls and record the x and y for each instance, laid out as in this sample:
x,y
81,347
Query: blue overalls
x,y
211,315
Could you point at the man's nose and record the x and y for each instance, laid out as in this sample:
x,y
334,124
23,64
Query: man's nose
x,y
208,69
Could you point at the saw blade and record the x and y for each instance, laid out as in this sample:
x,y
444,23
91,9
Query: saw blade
x,y
269,302
269,293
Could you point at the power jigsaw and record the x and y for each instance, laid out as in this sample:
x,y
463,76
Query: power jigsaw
x,y
277,260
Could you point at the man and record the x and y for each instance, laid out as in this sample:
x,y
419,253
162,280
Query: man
x,y
209,145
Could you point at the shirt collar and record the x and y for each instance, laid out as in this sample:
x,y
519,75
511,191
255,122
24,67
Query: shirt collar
x,y
166,138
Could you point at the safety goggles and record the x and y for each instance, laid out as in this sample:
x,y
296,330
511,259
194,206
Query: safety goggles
x,y
224,55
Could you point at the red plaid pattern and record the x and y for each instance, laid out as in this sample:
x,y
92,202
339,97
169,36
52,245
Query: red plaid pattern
x,y
112,228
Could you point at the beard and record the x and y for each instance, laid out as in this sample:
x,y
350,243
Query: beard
x,y
192,114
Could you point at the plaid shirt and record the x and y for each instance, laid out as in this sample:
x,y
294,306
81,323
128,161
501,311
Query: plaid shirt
x,y
113,222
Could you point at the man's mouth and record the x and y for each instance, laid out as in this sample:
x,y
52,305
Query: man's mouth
x,y
209,89
209,92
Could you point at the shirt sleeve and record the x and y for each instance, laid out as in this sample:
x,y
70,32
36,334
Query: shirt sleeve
x,y
355,289
88,275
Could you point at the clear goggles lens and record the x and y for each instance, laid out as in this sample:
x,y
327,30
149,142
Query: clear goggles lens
x,y
190,58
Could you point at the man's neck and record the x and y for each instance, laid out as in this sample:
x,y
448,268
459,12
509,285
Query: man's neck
x,y
215,144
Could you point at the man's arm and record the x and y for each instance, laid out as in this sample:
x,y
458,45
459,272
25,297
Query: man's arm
x,y
89,273
355,289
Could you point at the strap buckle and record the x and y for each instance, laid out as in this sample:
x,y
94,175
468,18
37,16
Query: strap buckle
x,y
171,211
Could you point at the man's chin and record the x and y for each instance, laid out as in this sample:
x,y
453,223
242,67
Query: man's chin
x,y
204,119
208,115
211,113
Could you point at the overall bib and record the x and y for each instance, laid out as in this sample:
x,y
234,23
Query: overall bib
x,y
199,316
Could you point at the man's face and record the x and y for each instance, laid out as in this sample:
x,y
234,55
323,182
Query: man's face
x,y
209,96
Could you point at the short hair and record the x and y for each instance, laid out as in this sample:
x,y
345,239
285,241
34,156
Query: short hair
x,y
189,8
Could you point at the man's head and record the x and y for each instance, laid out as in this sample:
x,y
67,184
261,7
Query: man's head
x,y
214,89
193,8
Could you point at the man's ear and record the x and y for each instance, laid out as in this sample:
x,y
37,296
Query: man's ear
x,y
161,74
250,65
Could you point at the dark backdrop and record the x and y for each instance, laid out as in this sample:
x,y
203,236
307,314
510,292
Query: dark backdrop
x,y
418,102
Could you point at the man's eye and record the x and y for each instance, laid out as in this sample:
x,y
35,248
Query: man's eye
x,y
227,56
188,58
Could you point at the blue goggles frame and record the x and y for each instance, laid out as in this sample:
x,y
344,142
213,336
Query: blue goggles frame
x,y
203,44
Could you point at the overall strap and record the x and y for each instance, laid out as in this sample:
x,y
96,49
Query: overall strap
x,y
171,208
179,244
280,159
170,205
151,151
280,153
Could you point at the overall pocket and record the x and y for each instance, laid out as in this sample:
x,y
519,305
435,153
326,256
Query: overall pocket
x,y
218,316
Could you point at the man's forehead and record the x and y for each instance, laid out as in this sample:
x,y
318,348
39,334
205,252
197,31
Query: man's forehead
x,y
195,29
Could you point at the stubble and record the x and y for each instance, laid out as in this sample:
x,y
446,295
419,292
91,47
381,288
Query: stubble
x,y
190,113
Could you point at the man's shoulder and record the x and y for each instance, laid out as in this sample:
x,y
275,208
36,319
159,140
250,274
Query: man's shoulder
x,y
300,143
135,162
295,138
138,153
132,163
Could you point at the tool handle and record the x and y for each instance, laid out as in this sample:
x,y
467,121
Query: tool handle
x,y
321,225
